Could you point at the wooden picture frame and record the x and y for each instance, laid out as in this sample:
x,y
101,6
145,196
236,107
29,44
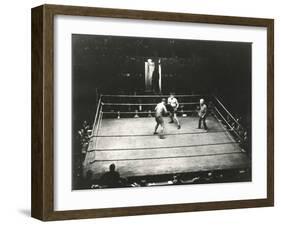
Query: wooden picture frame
x,y
43,110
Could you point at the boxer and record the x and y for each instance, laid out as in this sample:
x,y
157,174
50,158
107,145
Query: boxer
x,y
173,106
160,110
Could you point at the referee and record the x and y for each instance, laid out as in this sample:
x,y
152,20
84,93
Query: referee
x,y
202,114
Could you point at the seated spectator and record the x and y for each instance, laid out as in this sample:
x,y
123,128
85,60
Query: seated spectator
x,y
111,179
177,180
85,125
228,119
84,137
87,182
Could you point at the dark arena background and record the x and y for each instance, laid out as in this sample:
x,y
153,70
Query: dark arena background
x,y
116,84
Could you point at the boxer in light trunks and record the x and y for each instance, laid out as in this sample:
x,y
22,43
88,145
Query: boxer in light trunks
x,y
160,110
173,106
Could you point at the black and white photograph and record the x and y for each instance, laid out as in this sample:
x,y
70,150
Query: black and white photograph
x,y
152,112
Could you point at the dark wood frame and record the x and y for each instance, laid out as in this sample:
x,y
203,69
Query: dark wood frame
x,y
42,203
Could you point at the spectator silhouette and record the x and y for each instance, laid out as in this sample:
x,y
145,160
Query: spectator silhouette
x,y
111,179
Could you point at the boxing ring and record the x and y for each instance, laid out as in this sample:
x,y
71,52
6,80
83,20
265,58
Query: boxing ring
x,y
123,134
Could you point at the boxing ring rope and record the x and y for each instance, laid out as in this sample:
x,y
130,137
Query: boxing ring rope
x,y
96,124
167,157
148,135
144,104
232,129
220,103
150,96
160,147
143,112
96,116
99,121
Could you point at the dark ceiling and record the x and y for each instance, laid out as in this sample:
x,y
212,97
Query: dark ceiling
x,y
98,62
